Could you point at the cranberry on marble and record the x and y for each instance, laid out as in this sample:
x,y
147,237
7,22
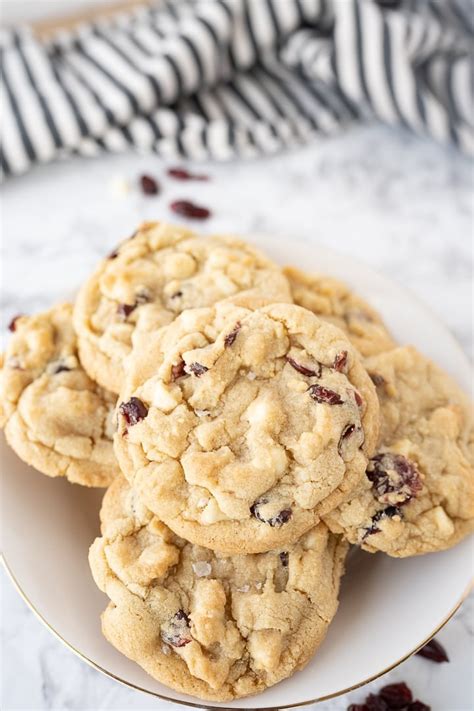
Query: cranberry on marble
x,y
149,185
186,208
434,651
397,696
184,174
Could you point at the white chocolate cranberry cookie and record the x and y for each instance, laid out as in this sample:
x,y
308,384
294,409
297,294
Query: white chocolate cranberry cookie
x,y
55,417
418,493
154,276
334,301
239,428
204,624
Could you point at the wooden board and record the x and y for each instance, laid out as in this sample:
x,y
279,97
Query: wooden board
x,y
47,28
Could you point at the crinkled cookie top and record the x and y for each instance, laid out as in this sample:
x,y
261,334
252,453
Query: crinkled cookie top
x,y
154,276
418,493
55,417
335,302
205,624
239,427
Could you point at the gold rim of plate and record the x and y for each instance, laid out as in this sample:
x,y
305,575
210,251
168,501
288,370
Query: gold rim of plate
x,y
202,705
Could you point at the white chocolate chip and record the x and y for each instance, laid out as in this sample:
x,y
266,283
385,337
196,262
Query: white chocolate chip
x,y
202,568
165,398
251,375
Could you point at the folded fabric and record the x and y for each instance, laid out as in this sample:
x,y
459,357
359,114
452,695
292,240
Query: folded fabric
x,y
217,79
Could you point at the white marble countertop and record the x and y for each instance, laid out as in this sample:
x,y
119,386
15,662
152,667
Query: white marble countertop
x,y
400,204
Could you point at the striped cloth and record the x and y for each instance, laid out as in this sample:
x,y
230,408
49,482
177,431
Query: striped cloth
x,y
217,79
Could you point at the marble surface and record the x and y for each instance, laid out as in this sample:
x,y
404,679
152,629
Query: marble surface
x,y
402,205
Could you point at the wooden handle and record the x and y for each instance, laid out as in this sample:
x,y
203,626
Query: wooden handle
x,y
47,28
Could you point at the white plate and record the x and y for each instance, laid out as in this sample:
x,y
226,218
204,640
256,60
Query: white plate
x,y
388,607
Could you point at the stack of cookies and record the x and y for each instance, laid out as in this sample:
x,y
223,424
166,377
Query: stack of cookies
x,y
250,422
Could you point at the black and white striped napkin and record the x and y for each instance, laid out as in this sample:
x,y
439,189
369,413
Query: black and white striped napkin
x,y
216,79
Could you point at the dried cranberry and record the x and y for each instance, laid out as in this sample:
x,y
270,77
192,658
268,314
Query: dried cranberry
x,y
393,697
61,368
274,521
183,174
340,361
196,369
434,651
374,702
181,615
149,185
177,631
393,473
397,696
12,324
230,338
389,512
134,411
348,432
124,310
322,394
358,399
284,558
178,371
377,379
189,209
303,370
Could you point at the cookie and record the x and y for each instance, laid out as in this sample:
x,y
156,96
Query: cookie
x,y
334,301
154,276
239,428
216,627
55,417
418,493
